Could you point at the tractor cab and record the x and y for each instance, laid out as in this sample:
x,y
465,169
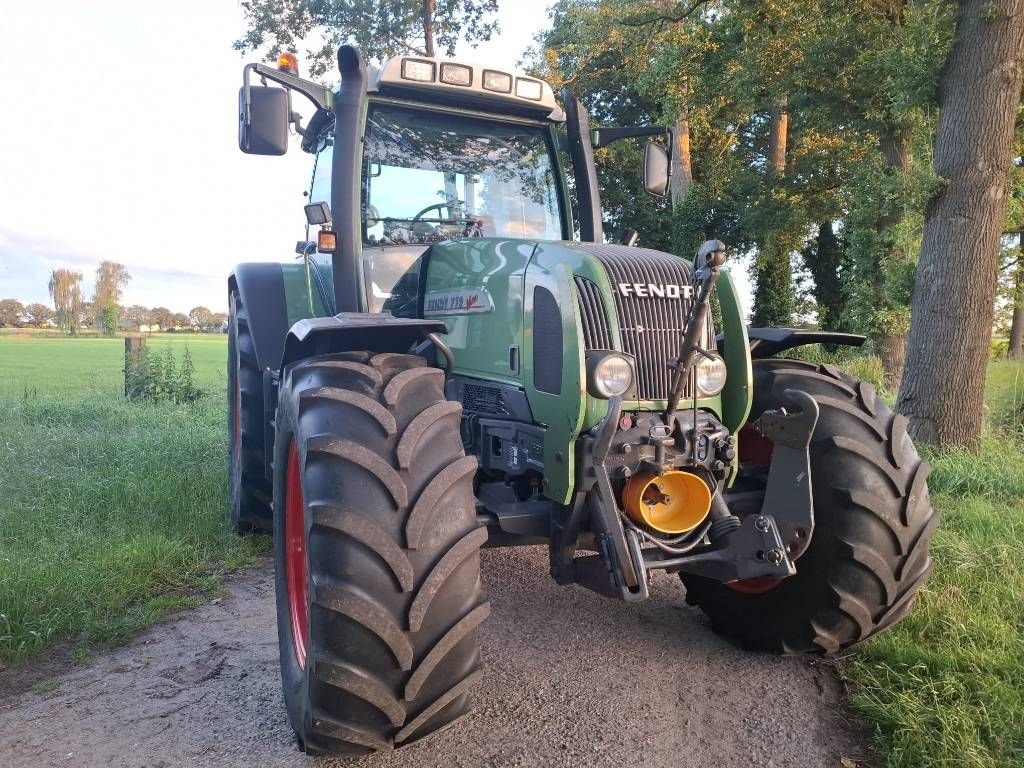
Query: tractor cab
x,y
442,150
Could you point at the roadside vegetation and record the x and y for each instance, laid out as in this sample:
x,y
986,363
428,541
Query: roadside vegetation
x,y
945,687
114,513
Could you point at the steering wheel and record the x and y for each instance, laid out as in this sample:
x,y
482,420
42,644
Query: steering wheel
x,y
438,206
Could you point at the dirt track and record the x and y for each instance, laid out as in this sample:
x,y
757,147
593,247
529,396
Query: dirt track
x,y
570,679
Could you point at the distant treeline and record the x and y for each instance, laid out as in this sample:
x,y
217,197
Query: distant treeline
x,y
72,313
15,314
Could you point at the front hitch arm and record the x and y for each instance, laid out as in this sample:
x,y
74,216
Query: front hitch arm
x,y
788,498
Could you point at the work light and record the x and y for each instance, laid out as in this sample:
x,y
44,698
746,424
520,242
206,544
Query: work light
x,y
418,70
497,81
528,89
456,74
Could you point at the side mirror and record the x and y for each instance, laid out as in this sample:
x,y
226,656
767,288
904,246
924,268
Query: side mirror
x,y
656,169
263,128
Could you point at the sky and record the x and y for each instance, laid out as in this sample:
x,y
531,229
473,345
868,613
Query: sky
x,y
118,140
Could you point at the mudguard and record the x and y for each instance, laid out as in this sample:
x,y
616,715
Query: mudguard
x,y
347,331
767,342
262,289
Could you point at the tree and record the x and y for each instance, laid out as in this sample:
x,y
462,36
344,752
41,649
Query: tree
x,y
11,311
951,312
379,29
135,315
218,321
200,318
162,317
111,277
38,315
179,320
66,291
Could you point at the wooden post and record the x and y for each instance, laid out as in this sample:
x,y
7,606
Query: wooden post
x,y
134,349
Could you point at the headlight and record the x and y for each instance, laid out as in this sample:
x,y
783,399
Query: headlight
x,y
609,375
710,375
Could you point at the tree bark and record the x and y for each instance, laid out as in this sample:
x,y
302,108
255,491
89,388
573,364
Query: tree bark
x,y
779,136
682,164
951,319
892,349
428,27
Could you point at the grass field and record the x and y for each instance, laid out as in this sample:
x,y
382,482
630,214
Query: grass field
x,y
111,513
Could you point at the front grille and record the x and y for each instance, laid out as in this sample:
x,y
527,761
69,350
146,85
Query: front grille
x,y
651,327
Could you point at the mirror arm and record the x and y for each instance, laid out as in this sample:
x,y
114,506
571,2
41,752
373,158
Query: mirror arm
x,y
602,137
321,97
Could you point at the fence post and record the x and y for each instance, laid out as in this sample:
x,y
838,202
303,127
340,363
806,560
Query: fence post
x,y
134,349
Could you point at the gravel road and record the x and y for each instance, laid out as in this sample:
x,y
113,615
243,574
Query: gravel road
x,y
571,680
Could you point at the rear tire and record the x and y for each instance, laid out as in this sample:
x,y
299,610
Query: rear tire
x,y
873,525
391,545
249,490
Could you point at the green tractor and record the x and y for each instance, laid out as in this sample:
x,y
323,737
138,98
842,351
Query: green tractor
x,y
445,367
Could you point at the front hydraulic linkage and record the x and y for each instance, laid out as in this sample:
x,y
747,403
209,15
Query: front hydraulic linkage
x,y
767,543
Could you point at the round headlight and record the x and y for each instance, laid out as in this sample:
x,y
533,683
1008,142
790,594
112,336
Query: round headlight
x,y
710,376
611,376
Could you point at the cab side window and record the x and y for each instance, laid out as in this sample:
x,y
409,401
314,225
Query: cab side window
x,y
320,189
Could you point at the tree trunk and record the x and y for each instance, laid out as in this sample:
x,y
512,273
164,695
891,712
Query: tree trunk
x,y
892,349
779,136
773,292
428,26
895,144
1015,350
951,320
682,165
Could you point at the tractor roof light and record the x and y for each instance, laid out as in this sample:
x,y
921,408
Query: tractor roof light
x,y
499,82
418,70
288,62
529,89
456,74
465,85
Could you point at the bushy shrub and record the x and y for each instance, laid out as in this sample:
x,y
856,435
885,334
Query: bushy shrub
x,y
158,377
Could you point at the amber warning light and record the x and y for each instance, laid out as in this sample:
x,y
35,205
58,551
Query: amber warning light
x,y
288,62
326,241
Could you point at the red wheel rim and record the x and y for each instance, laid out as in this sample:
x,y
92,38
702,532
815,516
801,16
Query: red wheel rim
x,y
754,449
754,586
296,569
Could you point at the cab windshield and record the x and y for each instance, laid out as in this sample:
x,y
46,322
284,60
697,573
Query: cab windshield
x,y
432,176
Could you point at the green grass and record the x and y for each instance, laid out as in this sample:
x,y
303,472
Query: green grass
x,y
111,513
52,364
946,686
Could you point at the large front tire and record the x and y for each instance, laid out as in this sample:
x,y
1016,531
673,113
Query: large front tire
x,y
873,525
376,546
